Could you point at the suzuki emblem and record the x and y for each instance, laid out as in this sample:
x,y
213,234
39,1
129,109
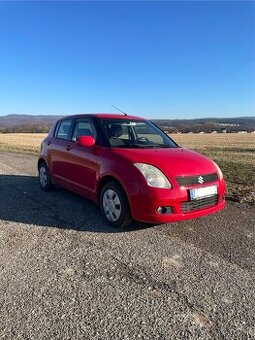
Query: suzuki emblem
x,y
200,180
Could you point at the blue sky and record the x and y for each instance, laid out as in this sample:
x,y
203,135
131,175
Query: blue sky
x,y
153,59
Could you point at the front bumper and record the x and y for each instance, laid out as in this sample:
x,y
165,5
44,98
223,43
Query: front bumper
x,y
144,205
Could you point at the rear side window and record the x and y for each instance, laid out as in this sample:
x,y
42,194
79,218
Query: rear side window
x,y
64,129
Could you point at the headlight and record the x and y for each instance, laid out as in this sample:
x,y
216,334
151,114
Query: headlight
x,y
219,170
153,176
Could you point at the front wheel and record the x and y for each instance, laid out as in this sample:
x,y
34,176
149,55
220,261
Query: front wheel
x,y
114,205
44,177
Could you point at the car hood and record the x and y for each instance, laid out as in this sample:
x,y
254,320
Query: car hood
x,y
172,161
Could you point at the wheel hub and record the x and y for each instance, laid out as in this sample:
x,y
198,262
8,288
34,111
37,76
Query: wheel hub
x,y
111,205
43,176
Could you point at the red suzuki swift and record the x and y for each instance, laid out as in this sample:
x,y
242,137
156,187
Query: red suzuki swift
x,y
130,168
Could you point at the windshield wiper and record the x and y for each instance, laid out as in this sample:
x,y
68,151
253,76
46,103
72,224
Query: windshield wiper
x,y
130,146
140,146
151,146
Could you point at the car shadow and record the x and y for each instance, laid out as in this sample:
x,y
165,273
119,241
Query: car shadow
x,y
22,201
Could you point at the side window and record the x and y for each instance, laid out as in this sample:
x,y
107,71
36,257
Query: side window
x,y
64,129
84,127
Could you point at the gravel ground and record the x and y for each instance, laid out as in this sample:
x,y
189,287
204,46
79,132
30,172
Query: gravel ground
x,y
66,275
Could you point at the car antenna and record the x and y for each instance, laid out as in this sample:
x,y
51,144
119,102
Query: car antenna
x,y
119,110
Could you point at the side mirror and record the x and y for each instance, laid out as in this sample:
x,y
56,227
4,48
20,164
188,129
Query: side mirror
x,y
86,141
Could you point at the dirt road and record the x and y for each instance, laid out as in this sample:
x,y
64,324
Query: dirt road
x,y
66,275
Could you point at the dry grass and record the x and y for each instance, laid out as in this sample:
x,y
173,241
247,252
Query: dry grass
x,y
21,142
235,154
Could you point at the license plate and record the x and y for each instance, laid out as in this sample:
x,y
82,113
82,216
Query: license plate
x,y
198,193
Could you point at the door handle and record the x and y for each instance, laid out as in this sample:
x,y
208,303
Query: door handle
x,y
49,142
68,147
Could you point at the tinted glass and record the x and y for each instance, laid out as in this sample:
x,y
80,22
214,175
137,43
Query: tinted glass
x,y
134,134
64,130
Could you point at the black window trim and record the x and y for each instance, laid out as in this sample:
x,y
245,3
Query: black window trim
x,y
56,128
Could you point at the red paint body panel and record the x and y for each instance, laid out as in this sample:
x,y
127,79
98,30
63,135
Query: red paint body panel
x,y
81,169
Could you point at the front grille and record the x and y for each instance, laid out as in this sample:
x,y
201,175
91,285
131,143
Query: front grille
x,y
196,180
199,204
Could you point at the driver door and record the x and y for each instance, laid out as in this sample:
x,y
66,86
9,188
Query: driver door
x,y
83,161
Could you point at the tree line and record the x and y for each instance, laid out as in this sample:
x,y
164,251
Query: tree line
x,y
26,128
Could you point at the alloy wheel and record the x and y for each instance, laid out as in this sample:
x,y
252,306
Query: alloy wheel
x,y
111,205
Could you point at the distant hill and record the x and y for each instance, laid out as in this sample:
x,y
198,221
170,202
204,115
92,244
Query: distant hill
x,y
42,123
207,124
27,123
13,120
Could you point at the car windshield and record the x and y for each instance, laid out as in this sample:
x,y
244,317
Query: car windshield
x,y
125,133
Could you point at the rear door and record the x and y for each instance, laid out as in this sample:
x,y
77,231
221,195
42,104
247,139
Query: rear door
x,y
59,148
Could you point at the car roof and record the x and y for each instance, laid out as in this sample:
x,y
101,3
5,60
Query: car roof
x,y
104,115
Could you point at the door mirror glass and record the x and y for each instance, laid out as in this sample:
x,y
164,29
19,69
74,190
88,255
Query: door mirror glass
x,y
86,141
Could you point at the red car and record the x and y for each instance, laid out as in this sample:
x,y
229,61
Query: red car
x,y
131,168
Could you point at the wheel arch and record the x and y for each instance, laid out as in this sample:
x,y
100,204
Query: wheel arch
x,y
125,217
40,161
107,179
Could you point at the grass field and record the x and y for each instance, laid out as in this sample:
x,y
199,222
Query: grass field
x,y
21,142
234,153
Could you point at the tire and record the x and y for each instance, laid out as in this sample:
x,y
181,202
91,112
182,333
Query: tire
x,y
44,177
114,205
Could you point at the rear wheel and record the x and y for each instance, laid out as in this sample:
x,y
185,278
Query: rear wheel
x,y
114,205
44,177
